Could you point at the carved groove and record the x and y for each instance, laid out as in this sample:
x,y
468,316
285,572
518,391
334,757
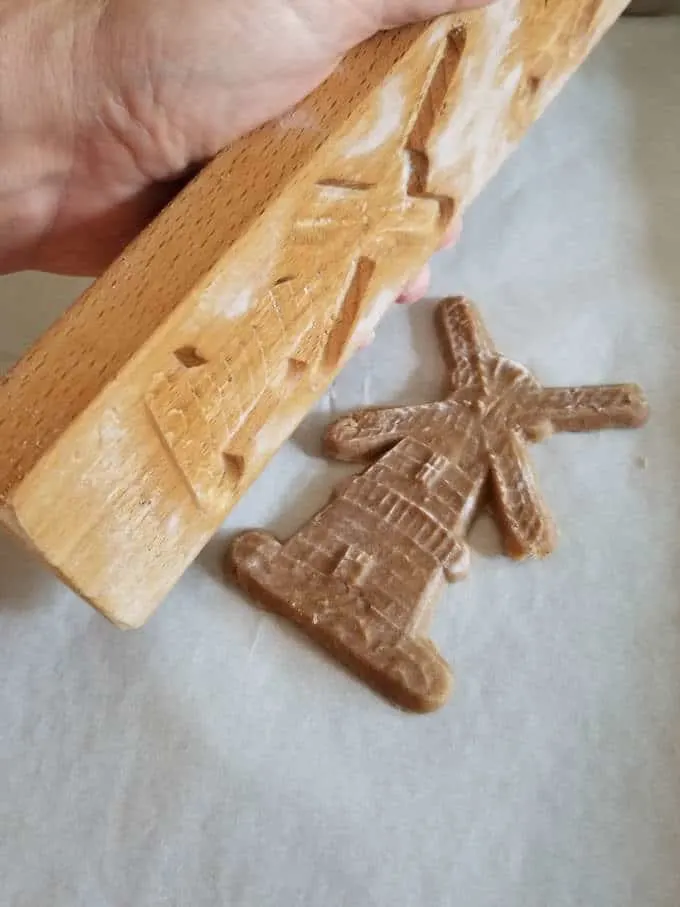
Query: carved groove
x,y
157,411
234,467
350,185
294,373
534,83
346,322
428,115
418,182
437,91
419,172
190,357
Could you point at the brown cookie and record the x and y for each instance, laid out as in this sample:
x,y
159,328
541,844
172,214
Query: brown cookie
x,y
362,576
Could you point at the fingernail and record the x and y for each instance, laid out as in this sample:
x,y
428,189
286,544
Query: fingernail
x,y
452,235
417,288
366,341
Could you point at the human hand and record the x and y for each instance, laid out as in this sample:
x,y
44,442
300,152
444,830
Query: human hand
x,y
130,96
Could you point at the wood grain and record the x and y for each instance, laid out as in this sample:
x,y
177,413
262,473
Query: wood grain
x,y
134,424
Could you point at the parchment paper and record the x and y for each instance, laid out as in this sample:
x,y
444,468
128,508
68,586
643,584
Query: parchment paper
x,y
217,758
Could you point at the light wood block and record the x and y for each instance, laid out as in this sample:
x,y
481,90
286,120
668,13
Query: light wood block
x,y
131,428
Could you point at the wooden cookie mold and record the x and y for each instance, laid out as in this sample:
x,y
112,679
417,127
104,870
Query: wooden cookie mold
x,y
133,425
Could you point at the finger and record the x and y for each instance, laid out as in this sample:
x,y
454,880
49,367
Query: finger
x,y
415,289
366,341
452,234
91,240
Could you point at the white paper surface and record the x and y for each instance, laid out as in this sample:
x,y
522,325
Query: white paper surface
x,y
217,758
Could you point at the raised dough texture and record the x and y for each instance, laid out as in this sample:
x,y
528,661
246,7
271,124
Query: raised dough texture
x,y
362,576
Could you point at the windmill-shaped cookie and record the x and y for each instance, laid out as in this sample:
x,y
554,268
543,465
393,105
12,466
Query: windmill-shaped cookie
x,y
362,576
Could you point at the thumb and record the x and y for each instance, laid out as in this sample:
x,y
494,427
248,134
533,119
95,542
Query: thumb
x,y
392,13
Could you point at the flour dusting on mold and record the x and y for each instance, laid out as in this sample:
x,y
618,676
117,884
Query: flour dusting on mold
x,y
475,136
142,533
173,526
298,120
439,31
333,193
391,106
274,432
111,430
229,305
374,313
235,289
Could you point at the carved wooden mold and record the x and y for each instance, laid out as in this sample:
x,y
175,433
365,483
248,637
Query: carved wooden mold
x,y
131,428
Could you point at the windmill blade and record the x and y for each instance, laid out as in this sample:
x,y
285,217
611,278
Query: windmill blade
x,y
526,524
368,433
588,408
466,342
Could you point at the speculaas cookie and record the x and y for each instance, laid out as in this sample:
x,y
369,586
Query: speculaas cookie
x,y
362,576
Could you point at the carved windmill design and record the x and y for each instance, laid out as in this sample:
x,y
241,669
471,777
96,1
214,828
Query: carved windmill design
x,y
356,225
367,218
372,210
361,577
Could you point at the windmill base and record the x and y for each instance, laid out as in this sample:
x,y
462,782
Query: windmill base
x,y
343,620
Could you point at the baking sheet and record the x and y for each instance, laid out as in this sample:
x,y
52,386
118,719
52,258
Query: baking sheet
x,y
215,757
